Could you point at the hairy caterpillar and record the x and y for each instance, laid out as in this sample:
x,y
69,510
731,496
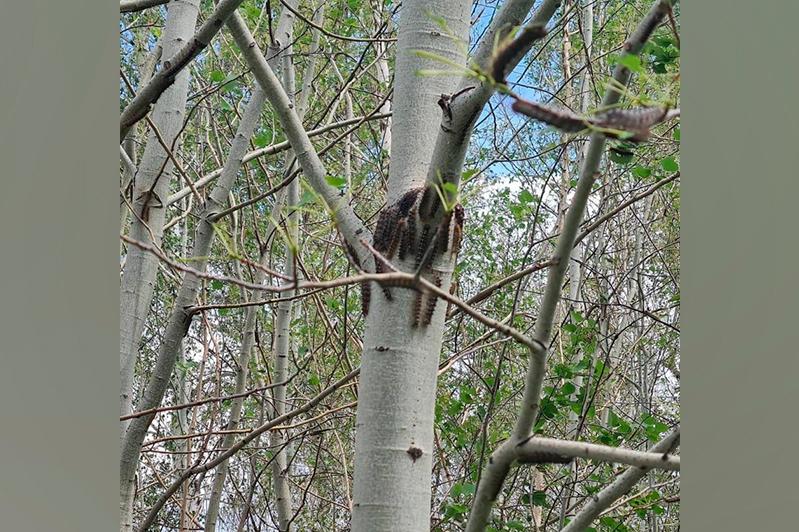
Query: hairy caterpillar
x,y
635,122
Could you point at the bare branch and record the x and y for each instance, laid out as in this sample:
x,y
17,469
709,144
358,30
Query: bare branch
x,y
620,486
149,94
598,453
130,6
503,458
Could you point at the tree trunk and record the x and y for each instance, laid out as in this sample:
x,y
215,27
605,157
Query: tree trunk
x,y
154,174
394,423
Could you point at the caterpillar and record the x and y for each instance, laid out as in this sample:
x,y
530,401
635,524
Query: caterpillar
x,y
432,299
443,235
394,242
417,309
634,121
421,248
408,236
457,231
366,296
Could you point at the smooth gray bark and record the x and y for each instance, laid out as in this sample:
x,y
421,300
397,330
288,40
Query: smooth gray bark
x,y
394,421
129,6
139,271
281,354
282,340
154,173
416,114
575,272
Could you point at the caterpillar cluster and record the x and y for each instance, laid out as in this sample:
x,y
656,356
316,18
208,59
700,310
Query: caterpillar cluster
x,y
407,229
636,122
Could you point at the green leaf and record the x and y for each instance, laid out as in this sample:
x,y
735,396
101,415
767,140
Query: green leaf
x,y
669,164
632,62
307,198
216,284
563,371
253,12
525,196
263,138
456,509
641,171
539,498
451,188
217,76
231,86
334,181
621,157
465,176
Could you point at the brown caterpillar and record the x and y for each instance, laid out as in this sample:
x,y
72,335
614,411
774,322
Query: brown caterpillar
x,y
366,296
417,309
514,50
421,248
453,288
443,235
406,246
407,201
634,121
428,206
383,229
560,118
396,233
457,231
432,299
396,236
546,457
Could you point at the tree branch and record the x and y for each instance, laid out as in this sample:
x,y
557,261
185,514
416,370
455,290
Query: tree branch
x,y
620,486
598,453
503,458
139,106
344,217
131,6
457,123
221,457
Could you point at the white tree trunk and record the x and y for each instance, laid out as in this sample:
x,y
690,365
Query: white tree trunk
x,y
576,255
138,276
394,423
279,439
